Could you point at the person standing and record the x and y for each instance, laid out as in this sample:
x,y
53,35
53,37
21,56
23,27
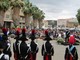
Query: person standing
x,y
47,48
71,51
33,46
6,43
15,45
23,48
67,36
3,56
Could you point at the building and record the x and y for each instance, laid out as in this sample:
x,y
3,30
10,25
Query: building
x,y
8,19
67,23
45,24
52,23
72,23
61,23
8,22
49,24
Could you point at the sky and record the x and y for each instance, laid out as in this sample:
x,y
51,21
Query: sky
x,y
58,9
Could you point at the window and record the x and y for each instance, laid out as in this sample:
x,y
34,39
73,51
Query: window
x,y
58,25
7,16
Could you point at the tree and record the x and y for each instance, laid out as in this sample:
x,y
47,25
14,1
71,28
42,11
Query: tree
x,y
35,15
38,16
4,6
16,6
41,17
27,10
78,16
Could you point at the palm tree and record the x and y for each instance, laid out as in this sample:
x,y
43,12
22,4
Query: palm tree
x,y
4,6
40,19
16,6
27,10
35,15
78,16
38,15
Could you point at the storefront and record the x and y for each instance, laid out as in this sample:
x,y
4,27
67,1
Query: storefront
x,y
8,23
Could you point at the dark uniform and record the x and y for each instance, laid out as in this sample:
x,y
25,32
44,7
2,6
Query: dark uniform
x,y
2,55
67,36
7,49
47,48
33,46
6,43
15,45
23,51
71,52
23,48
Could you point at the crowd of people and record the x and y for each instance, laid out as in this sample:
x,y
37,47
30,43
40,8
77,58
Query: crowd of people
x,y
24,51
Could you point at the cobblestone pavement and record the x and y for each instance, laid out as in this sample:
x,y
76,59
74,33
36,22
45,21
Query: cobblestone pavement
x,y
58,50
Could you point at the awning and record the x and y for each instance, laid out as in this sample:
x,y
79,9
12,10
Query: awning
x,y
8,20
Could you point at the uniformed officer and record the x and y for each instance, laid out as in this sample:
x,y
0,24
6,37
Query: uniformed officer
x,y
71,51
2,55
4,36
33,46
23,48
47,48
15,45
67,36
6,43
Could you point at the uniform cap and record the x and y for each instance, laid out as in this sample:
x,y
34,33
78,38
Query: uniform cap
x,y
46,31
47,37
17,32
23,30
33,31
4,30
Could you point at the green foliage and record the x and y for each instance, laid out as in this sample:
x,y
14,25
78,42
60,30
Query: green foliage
x,y
4,5
27,8
78,15
41,15
60,40
37,13
17,3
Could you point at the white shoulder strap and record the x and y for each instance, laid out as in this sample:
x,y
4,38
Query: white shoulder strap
x,y
28,44
8,46
37,46
1,55
44,47
19,46
70,49
52,47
